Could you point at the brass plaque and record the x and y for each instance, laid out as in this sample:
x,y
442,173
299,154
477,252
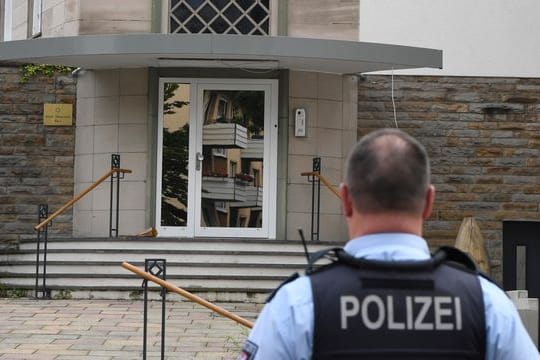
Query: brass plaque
x,y
58,114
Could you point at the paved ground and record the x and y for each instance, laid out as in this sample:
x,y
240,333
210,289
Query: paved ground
x,y
104,330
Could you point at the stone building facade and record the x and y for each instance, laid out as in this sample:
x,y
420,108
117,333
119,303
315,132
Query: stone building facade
x,y
36,162
482,135
130,54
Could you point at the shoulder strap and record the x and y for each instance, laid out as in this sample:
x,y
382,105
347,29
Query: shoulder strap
x,y
340,256
331,254
445,254
288,280
456,256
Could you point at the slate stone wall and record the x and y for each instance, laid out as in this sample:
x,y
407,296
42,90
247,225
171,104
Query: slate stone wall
x,y
36,162
483,137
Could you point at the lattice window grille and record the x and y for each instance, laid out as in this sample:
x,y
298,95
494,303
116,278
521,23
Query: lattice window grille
x,y
196,23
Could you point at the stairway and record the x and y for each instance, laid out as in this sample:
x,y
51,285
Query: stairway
x,y
221,269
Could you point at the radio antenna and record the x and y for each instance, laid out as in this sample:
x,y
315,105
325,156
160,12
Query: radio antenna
x,y
301,233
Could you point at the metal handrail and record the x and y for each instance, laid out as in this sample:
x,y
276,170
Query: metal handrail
x,y
167,285
80,195
323,180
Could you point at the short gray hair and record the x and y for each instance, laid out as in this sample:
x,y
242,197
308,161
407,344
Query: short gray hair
x,y
388,171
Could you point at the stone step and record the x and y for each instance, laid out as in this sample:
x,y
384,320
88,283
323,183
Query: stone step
x,y
242,266
239,259
185,269
76,282
90,265
157,244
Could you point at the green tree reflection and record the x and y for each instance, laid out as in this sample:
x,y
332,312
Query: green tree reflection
x,y
174,165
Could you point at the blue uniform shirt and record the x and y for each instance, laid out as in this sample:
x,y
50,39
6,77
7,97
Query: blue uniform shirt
x,y
284,328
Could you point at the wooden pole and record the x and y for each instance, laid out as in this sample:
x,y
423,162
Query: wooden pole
x,y
187,295
324,181
78,197
150,232
328,185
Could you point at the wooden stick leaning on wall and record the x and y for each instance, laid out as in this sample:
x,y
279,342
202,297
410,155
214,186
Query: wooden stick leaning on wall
x,y
79,196
470,240
150,232
187,295
323,180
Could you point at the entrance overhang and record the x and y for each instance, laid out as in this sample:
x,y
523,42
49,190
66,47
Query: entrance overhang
x,y
210,50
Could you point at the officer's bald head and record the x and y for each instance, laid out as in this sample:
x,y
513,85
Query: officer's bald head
x,y
388,171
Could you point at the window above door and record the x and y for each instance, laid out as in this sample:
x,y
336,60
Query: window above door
x,y
245,17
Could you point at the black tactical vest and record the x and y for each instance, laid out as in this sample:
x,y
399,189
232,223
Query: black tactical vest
x,y
397,310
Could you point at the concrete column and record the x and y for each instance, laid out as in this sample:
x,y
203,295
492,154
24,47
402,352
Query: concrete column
x,y
329,102
111,118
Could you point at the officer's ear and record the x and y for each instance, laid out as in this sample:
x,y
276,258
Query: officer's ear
x,y
346,200
428,202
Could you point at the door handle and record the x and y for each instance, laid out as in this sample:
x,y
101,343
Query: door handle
x,y
198,160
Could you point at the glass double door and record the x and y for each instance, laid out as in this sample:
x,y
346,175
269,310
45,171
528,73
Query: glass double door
x,y
217,146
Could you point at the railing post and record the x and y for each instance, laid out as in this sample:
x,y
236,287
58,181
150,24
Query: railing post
x,y
42,235
158,268
115,164
315,186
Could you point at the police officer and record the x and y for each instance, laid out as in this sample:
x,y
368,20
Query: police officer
x,y
387,297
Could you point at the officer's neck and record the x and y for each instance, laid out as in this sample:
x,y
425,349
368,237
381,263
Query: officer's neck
x,y
365,224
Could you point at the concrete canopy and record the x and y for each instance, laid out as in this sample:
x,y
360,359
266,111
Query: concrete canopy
x,y
209,50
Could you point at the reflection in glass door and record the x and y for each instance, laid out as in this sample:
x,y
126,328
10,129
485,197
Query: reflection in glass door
x,y
216,148
232,149
173,207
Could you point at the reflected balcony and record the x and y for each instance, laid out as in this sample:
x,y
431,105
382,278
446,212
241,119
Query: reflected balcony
x,y
254,149
228,135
